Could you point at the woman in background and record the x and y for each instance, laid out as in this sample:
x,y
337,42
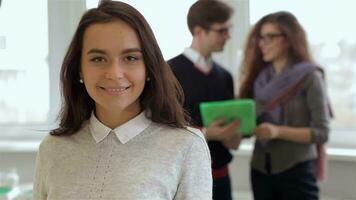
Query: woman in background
x,y
292,109
123,132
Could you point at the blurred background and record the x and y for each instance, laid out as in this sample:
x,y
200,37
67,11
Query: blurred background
x,y
34,36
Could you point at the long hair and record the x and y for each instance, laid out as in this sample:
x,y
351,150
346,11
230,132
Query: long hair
x,y
253,63
162,95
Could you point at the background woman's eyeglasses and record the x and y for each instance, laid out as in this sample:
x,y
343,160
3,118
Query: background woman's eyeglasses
x,y
269,37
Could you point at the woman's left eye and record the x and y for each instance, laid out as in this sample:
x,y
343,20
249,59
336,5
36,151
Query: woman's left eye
x,y
97,59
131,58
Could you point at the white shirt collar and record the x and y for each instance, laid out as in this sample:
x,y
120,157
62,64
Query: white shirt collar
x,y
124,133
199,61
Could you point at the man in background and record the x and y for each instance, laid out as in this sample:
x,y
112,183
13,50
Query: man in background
x,y
204,80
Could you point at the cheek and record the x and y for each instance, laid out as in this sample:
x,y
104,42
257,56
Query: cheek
x,y
88,77
84,70
91,78
280,51
281,47
91,72
139,76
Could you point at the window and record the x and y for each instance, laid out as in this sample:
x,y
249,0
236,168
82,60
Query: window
x,y
332,42
24,76
24,72
34,36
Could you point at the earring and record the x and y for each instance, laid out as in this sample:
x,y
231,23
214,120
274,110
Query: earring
x,y
148,79
81,81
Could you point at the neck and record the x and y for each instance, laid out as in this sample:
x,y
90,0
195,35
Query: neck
x,y
114,118
199,48
279,64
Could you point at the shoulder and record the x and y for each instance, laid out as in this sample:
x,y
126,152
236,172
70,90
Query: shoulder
x,y
181,136
178,60
192,133
187,132
195,143
180,65
52,144
195,131
317,74
48,148
47,142
315,77
314,72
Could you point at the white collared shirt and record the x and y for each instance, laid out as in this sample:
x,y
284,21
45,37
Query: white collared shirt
x,y
205,65
124,133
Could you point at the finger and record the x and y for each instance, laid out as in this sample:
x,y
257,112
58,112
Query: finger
x,y
233,125
217,122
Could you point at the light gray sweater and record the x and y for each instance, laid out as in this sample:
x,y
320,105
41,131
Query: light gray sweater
x,y
159,163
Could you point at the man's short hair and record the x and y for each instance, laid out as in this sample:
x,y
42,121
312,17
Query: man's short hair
x,y
206,12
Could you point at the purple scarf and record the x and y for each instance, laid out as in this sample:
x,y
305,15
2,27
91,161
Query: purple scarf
x,y
268,86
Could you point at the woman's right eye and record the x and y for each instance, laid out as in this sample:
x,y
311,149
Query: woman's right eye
x,y
97,59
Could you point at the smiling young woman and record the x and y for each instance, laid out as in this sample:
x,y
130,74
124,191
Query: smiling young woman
x,y
123,132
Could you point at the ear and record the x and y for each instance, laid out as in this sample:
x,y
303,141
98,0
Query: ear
x,y
197,30
81,77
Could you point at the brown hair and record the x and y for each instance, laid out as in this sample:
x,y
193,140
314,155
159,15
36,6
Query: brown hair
x,y
253,63
162,95
206,12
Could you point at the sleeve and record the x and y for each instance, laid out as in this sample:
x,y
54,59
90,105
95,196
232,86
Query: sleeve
x,y
196,177
319,106
39,186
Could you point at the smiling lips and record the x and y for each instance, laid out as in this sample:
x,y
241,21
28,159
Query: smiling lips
x,y
115,91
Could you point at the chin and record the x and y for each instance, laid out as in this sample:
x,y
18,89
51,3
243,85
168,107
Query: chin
x,y
267,59
220,49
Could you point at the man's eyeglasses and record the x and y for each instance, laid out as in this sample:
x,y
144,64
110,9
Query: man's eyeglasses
x,y
269,37
221,31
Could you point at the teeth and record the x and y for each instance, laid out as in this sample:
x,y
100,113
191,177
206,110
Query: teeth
x,y
115,89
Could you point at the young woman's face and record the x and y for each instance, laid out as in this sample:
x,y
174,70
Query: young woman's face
x,y
272,43
112,66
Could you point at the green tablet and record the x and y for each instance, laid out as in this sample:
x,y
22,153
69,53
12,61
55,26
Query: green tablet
x,y
230,110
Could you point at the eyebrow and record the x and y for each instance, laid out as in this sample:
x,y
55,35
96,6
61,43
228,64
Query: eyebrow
x,y
125,51
96,51
131,50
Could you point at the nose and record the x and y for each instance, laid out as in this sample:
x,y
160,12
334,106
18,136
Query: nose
x,y
114,71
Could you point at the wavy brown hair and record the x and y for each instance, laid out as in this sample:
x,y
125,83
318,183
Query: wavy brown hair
x,y
162,95
253,62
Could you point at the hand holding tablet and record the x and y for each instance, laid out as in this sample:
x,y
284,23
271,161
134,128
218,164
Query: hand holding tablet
x,y
230,110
